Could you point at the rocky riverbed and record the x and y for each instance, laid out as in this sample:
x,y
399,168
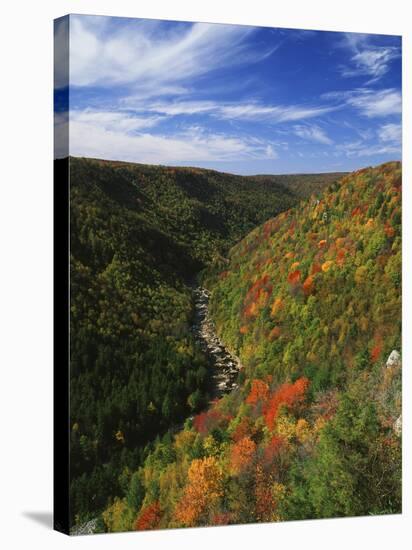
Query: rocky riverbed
x,y
224,364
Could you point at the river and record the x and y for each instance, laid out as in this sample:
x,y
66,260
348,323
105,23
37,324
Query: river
x,y
224,365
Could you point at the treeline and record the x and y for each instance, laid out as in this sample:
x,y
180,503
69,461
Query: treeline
x,y
139,234
311,302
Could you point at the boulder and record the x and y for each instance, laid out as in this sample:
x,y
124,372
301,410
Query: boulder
x,y
397,426
394,359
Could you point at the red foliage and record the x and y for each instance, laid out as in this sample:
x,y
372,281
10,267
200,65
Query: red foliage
x,y
316,268
258,392
242,430
375,352
356,212
149,517
208,420
257,296
288,395
272,450
294,277
223,275
223,518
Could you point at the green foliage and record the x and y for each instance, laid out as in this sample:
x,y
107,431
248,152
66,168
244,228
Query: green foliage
x,y
139,235
310,300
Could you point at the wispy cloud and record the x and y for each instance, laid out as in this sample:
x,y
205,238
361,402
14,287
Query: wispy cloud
x,y
114,135
387,141
152,55
367,59
313,133
233,111
390,133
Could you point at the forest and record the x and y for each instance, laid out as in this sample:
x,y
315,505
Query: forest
x,y
139,237
305,280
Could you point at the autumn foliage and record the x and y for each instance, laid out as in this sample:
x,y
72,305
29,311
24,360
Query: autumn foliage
x,y
149,517
288,395
203,490
242,454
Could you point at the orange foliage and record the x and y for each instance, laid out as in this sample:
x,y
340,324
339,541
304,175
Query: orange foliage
x,y
340,256
242,454
148,518
243,330
308,285
322,243
288,395
258,392
389,230
274,333
276,306
202,492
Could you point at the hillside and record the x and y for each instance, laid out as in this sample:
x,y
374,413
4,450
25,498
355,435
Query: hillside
x,y
310,301
139,236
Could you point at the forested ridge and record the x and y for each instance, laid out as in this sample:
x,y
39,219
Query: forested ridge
x,y
311,303
139,236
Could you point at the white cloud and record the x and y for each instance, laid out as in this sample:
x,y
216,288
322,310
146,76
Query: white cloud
x,y
151,56
313,133
367,59
108,135
390,133
377,103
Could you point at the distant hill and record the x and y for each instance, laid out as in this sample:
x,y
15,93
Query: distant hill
x,y
139,235
311,302
301,185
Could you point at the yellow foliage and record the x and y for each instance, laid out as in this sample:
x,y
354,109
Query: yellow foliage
x,y
118,517
303,431
360,274
327,265
119,436
285,426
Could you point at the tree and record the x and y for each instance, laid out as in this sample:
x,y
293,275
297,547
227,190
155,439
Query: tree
x,y
202,492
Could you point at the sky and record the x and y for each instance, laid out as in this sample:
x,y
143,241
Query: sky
x,y
247,100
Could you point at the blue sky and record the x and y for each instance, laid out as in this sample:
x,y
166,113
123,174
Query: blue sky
x,y
234,98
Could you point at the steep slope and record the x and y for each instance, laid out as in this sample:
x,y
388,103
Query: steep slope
x,y
139,234
311,302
